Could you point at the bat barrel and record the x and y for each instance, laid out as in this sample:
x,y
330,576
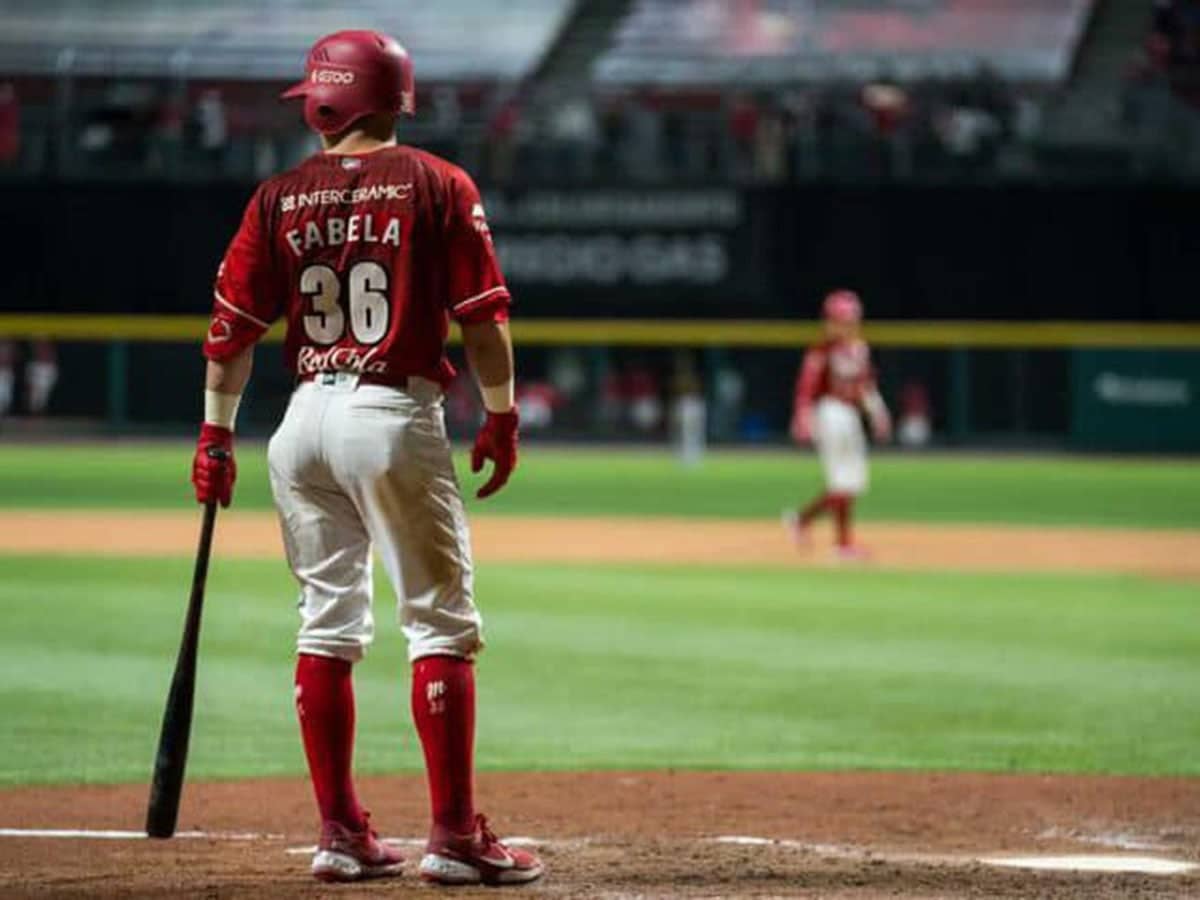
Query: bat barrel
x,y
170,763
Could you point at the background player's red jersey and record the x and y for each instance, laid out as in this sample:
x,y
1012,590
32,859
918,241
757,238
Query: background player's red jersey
x,y
835,368
367,256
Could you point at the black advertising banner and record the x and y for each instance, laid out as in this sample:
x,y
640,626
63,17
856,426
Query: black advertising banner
x,y
622,252
1024,252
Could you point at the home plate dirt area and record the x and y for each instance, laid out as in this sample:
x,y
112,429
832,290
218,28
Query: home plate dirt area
x,y
659,834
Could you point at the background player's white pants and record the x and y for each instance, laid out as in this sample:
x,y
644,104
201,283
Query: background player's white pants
x,y
842,446
355,466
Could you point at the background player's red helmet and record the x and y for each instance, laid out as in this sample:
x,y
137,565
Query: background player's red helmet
x,y
843,306
351,74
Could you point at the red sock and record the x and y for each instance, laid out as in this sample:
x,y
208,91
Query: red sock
x,y
443,706
325,705
843,511
814,509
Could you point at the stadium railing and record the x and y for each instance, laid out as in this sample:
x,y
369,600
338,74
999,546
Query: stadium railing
x,y
1011,383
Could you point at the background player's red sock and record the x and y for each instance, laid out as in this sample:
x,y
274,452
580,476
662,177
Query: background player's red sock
x,y
843,513
443,706
325,705
814,509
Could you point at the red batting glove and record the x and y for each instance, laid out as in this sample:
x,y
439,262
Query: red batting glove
x,y
213,468
801,429
497,441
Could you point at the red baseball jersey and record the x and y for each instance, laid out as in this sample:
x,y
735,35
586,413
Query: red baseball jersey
x,y
835,368
367,256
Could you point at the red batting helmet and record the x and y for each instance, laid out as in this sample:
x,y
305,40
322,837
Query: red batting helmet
x,y
351,74
843,306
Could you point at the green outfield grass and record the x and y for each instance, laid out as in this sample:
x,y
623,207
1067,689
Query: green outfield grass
x,y
574,482
626,667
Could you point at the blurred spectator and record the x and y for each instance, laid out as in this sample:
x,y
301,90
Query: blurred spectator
x,y
502,138
10,125
641,150
889,107
729,394
538,401
447,111
573,133
643,397
800,116
211,126
8,376
915,427
770,147
567,372
688,411
743,134
41,375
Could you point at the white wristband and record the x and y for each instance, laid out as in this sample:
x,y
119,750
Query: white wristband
x,y
498,398
221,409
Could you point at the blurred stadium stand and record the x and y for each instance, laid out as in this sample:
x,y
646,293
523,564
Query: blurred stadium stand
x,y
230,39
768,42
744,91
672,184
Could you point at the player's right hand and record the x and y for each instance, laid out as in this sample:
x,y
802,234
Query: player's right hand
x,y
213,468
497,441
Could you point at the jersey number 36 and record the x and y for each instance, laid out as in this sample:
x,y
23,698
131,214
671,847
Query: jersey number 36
x,y
366,290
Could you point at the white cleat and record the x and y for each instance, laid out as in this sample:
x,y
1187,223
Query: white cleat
x,y
801,534
476,858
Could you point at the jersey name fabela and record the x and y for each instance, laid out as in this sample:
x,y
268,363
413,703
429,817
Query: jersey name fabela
x,y
336,231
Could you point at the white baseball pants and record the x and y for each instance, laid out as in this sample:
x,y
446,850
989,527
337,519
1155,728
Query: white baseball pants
x,y
841,446
359,465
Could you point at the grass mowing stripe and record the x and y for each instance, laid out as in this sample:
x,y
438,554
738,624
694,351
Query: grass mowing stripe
x,y
626,667
750,484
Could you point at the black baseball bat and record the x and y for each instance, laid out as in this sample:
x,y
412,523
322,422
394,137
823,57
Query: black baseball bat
x,y
171,760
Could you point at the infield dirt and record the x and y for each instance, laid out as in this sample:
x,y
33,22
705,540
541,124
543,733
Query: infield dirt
x,y
894,545
616,834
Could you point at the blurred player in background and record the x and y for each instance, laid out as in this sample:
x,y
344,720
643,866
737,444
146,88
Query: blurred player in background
x,y
367,250
834,388
41,375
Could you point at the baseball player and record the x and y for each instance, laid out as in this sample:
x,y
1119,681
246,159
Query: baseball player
x,y
366,250
834,387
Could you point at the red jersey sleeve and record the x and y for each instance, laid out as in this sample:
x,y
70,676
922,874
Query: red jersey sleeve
x,y
477,289
246,296
808,379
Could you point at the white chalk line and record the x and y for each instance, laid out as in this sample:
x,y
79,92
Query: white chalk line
x,y
1117,840
1110,863
1138,865
91,834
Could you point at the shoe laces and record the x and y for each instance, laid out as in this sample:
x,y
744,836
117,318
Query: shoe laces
x,y
486,835
367,829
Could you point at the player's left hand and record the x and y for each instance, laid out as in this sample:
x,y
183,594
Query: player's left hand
x,y
497,441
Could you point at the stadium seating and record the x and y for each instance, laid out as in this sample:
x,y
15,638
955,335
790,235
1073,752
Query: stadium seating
x,y
771,41
230,39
